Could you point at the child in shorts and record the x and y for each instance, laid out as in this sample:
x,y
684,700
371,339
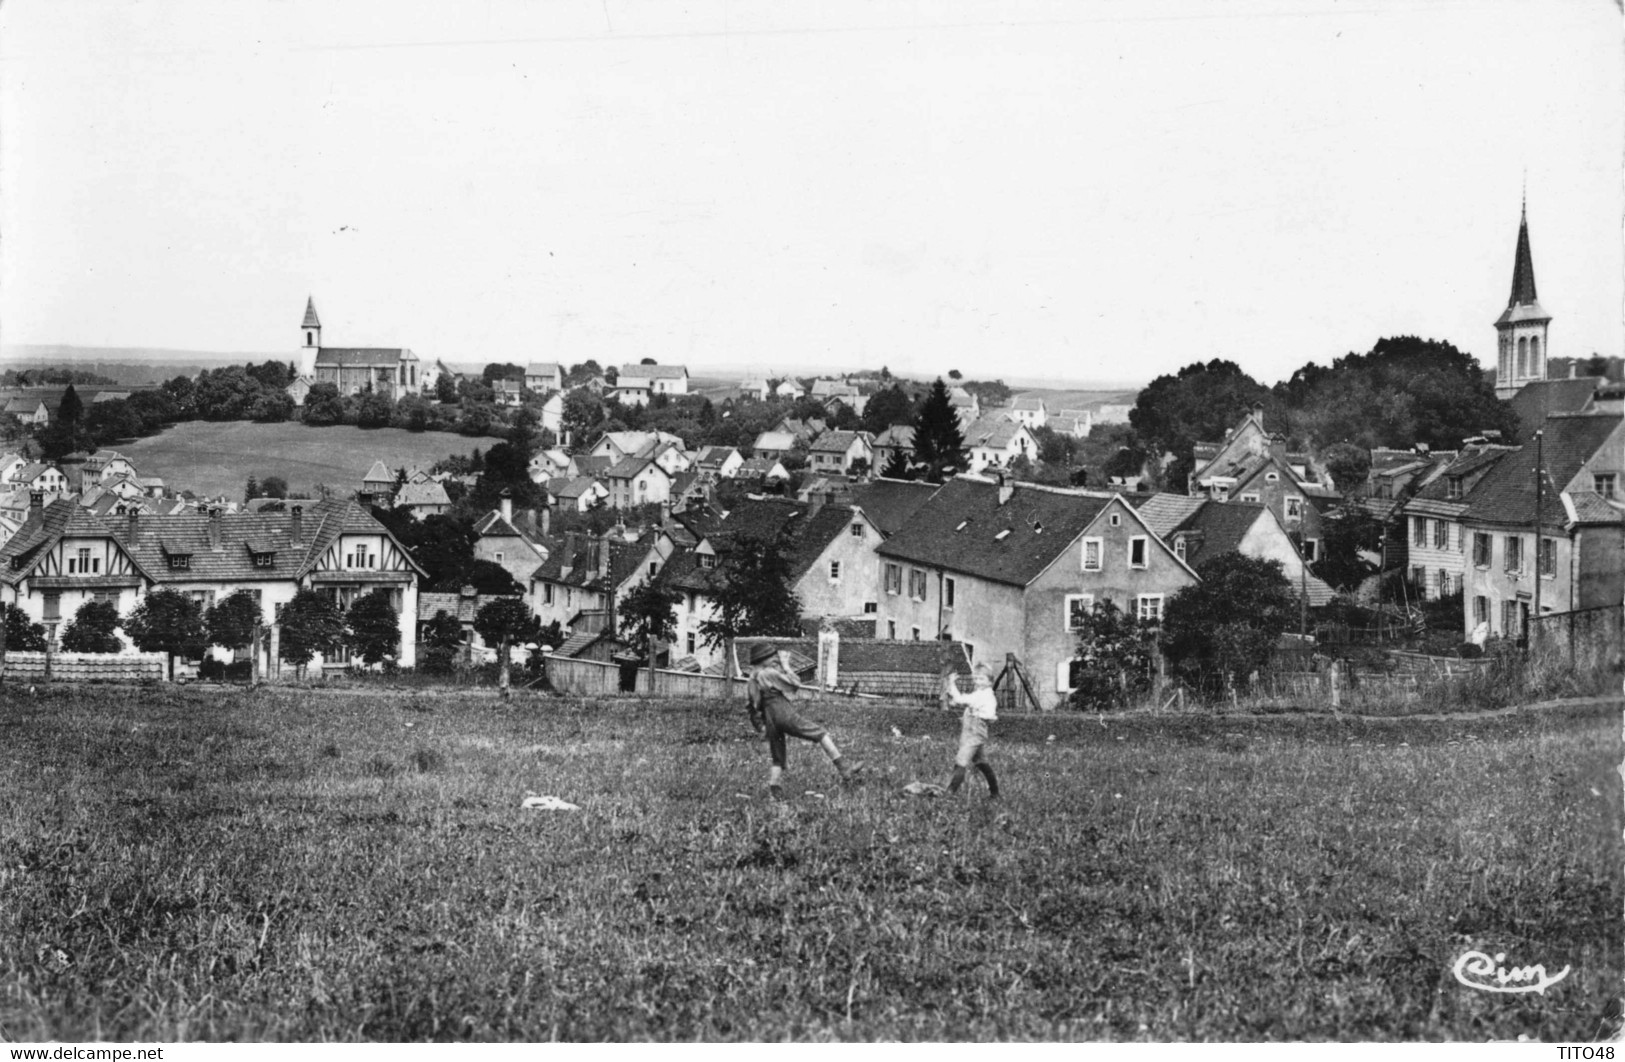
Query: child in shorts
x,y
981,708
771,688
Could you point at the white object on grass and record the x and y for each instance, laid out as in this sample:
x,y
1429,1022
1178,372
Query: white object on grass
x,y
896,732
923,789
549,803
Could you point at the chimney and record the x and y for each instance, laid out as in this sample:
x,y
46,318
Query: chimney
x,y
131,525
507,505
214,528
547,518
297,532
568,564
36,501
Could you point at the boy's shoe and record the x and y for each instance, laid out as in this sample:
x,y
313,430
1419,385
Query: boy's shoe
x,y
776,793
850,774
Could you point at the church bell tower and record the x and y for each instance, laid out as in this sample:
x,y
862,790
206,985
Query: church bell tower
x,y
1521,329
310,334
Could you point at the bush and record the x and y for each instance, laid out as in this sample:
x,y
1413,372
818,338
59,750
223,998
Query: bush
x,y
437,660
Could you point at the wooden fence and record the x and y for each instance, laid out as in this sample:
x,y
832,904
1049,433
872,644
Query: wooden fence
x,y
85,667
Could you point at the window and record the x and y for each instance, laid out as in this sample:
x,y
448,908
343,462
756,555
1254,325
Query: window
x,y
857,530
948,591
109,597
1149,608
1221,494
1250,496
1481,549
1441,535
1077,606
834,571
1452,488
84,562
569,597
1604,484
708,560
871,607
916,584
180,562
692,599
547,594
690,643
1272,477
1444,583
1294,507
1481,610
1067,675
894,579
499,556
1091,554
1509,619
1514,555
1137,552
916,633
53,606
891,629
1419,531
1311,549
1548,557
1116,519
654,566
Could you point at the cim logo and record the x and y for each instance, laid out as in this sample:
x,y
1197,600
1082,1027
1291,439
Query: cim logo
x,y
1477,970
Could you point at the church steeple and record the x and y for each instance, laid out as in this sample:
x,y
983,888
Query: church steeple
x,y
1521,344
310,331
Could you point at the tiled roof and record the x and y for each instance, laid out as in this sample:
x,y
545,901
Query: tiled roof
x,y
30,472
898,435
1539,398
360,357
811,528
588,465
1028,405
630,467
583,554
492,525
543,368
838,442
756,466
960,528
654,372
1506,495
774,440
379,473
889,503
1165,511
995,430
1470,463
428,493
715,456
860,656
570,488
462,607
1220,527
1592,508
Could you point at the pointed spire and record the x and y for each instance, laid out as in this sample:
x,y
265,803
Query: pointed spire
x,y
1523,266
311,320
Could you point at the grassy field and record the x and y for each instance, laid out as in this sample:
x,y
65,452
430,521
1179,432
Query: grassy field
x,y
181,864
217,457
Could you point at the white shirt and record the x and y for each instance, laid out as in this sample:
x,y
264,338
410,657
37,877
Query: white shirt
x,y
984,704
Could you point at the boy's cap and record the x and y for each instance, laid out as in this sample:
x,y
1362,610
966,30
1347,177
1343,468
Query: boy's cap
x,y
761,652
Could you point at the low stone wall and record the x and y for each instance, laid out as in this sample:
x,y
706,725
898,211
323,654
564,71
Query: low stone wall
x,y
86,667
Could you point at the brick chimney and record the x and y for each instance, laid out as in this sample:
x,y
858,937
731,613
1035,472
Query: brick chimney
x,y
132,523
547,519
214,529
36,501
297,531
507,505
568,564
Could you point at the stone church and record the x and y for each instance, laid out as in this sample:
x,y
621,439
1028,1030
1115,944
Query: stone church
x,y
392,371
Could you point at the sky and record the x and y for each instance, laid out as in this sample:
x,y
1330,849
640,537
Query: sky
x,y
1077,191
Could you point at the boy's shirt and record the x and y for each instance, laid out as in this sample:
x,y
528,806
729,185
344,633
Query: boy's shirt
x,y
984,704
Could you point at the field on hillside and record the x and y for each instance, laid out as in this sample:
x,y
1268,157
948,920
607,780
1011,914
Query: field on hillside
x,y
1056,400
217,457
275,865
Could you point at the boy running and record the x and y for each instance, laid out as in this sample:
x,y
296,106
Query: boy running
x,y
771,688
981,708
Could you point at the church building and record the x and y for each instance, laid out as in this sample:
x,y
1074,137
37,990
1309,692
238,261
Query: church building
x,y
392,371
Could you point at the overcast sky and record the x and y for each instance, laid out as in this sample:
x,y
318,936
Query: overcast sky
x,y
1077,190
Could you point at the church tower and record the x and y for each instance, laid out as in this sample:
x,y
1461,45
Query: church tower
x,y
310,334
1521,328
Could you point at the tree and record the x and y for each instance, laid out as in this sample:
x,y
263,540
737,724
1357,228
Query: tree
x,y
324,406
273,487
167,622
374,410
888,407
372,628
939,444
439,643
1199,403
503,622
751,592
22,635
1116,657
897,466
251,489
92,629
955,375
648,361
1349,465
1345,533
582,415
445,388
646,616
1218,632
232,620
311,623
502,370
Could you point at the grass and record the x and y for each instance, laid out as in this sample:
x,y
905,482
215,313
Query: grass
x,y
217,457
276,865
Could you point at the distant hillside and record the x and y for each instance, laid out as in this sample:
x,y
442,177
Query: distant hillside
x,y
126,365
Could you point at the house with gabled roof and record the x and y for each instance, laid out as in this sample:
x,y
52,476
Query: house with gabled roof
x,y
1577,560
804,431
655,379
1030,410
65,555
619,445
1430,519
498,540
10,465
773,445
42,476
967,406
378,485
831,561
995,440
897,438
1210,529
543,376
838,451
576,493
28,409
549,464
424,498
636,481
1254,465
1009,568
720,461
464,607
582,583
890,503
508,392
762,470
